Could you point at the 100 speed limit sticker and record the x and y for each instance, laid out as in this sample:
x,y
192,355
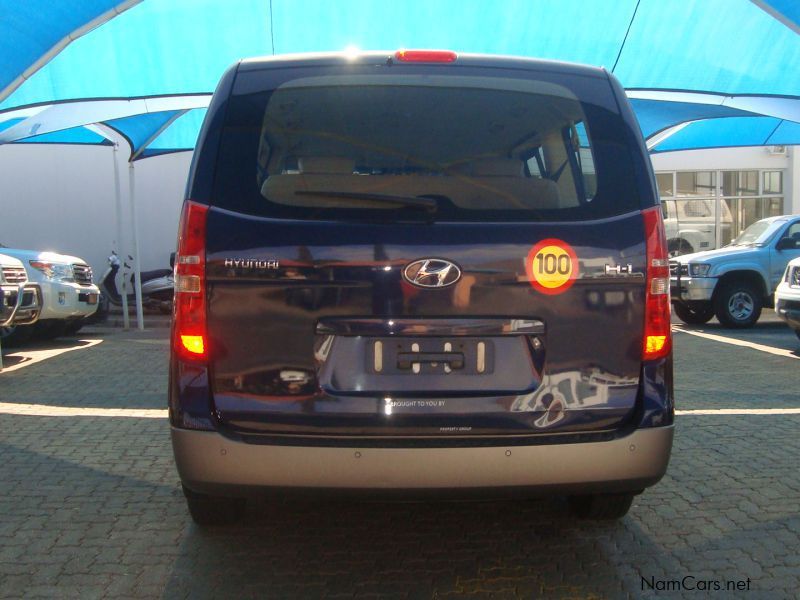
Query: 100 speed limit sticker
x,y
552,266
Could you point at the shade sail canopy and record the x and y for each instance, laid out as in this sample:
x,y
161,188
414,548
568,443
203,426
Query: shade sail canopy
x,y
786,11
160,133
76,135
697,60
35,30
729,132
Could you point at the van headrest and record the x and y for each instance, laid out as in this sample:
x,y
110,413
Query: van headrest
x,y
326,164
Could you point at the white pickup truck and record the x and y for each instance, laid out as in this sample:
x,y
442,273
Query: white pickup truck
x,y
67,292
20,300
736,281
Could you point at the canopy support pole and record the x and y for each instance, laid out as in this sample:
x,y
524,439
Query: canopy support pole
x,y
126,319
137,271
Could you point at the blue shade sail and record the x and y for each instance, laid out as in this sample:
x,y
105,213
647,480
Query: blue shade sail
x,y
722,46
64,115
723,132
183,46
76,135
157,47
571,30
139,130
657,115
31,29
9,122
786,11
787,133
738,51
180,135
148,134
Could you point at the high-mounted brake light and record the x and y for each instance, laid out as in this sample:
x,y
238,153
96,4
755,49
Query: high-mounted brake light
x,y
189,324
428,56
657,328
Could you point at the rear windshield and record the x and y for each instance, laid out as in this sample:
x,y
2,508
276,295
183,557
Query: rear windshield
x,y
447,145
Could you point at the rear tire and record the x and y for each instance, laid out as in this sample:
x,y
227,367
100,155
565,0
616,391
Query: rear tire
x,y
213,511
738,304
694,316
601,506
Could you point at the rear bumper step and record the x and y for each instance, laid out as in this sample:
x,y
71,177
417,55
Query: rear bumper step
x,y
211,463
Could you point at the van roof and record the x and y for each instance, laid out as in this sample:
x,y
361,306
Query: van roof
x,y
381,58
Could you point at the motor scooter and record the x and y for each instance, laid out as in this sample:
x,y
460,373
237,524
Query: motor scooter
x,y
157,285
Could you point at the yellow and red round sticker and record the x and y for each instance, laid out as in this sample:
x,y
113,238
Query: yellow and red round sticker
x,y
552,266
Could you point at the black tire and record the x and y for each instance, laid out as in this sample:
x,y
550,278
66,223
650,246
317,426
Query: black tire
x,y
738,304
679,247
73,327
695,315
601,506
50,329
15,335
213,511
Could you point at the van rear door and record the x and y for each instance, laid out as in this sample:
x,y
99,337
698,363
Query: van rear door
x,y
425,250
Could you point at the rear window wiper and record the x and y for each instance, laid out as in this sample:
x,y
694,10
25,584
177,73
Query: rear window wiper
x,y
428,204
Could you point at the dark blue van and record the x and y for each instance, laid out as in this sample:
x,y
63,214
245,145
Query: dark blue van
x,y
421,272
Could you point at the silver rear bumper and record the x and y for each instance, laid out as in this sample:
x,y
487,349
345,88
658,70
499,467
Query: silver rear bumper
x,y
211,463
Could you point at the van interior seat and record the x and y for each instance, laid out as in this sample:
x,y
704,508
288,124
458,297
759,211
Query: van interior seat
x,y
326,164
488,182
489,167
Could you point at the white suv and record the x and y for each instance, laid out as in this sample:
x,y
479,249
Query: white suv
x,y
68,294
787,296
20,301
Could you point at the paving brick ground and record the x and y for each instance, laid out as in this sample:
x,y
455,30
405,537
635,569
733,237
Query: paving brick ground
x,y
91,506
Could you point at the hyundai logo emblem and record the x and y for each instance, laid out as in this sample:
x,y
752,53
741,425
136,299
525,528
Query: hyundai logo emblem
x,y
432,273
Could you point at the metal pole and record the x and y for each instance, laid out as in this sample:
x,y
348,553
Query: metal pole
x,y
126,320
137,271
718,210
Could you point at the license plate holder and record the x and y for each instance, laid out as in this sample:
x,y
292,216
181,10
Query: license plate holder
x,y
430,356
88,298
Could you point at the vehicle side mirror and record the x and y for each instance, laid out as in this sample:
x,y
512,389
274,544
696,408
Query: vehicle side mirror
x,y
172,260
786,243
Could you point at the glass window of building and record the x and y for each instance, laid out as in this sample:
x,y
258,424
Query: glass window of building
x,y
740,183
700,216
697,183
666,186
773,182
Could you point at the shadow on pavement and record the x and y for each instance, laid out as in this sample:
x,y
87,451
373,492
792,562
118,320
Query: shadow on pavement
x,y
523,548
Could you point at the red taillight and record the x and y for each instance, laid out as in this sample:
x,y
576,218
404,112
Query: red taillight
x,y
189,325
657,328
429,56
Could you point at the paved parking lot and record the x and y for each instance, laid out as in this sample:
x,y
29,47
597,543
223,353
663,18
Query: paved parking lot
x,y
91,505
